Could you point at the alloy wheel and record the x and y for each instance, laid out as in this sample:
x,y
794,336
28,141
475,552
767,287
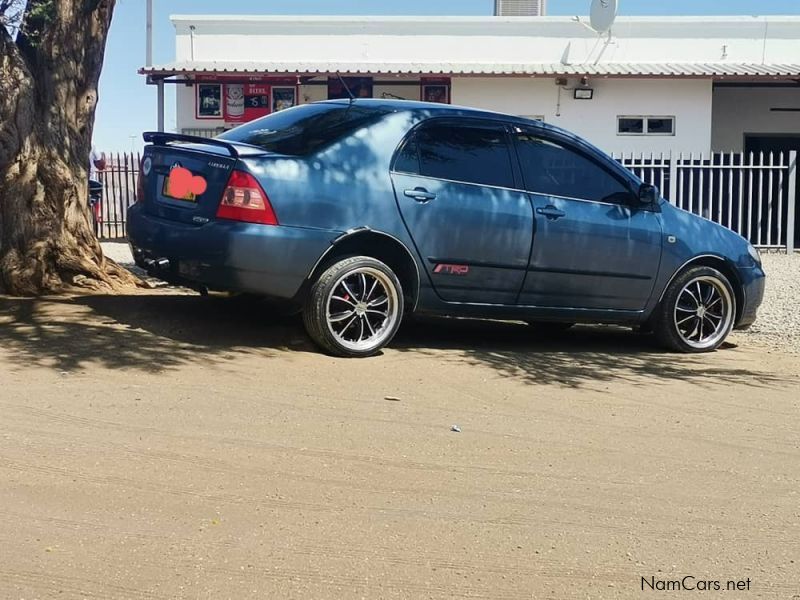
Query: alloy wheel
x,y
703,312
362,309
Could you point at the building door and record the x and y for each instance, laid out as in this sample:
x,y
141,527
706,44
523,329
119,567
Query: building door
x,y
454,183
776,144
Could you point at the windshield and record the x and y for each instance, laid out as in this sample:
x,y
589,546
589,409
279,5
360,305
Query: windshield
x,y
304,129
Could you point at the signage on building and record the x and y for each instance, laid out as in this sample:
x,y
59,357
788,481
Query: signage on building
x,y
243,99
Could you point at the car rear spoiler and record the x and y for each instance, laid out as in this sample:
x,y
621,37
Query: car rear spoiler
x,y
160,138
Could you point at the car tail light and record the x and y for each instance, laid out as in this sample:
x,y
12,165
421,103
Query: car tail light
x,y
245,200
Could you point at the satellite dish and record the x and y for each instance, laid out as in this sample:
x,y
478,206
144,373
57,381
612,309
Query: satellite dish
x,y
604,13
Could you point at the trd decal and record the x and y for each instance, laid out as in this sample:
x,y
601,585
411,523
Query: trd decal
x,y
452,269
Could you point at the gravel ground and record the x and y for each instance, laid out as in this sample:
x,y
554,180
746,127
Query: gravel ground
x,y
778,324
777,327
119,253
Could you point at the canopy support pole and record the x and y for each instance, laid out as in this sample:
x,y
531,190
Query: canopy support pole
x,y
160,85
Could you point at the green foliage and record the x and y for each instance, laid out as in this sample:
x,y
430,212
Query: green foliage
x,y
39,15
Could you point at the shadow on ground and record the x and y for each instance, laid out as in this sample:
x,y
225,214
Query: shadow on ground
x,y
143,332
164,331
581,356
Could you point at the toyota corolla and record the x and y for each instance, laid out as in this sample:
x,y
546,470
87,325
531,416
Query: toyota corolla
x,y
359,212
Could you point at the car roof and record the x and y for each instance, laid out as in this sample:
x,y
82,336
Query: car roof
x,y
432,109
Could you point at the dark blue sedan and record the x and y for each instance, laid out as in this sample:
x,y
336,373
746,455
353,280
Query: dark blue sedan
x,y
359,212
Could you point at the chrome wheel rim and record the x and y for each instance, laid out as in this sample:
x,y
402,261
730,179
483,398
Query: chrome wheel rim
x,y
704,312
362,309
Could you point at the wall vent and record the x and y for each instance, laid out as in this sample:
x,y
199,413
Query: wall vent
x,y
519,8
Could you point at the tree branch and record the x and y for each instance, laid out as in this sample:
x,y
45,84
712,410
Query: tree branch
x,y
11,15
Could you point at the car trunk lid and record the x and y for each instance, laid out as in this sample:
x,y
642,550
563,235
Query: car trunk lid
x,y
211,160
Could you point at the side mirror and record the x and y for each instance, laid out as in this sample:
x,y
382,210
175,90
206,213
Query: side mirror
x,y
648,194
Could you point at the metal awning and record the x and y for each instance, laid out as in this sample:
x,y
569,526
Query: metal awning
x,y
605,69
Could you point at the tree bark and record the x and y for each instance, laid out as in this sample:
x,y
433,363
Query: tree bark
x,y
48,96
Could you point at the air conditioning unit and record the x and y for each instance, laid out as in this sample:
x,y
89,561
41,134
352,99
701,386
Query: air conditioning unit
x,y
519,8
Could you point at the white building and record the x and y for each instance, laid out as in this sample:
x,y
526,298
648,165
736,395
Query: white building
x,y
653,84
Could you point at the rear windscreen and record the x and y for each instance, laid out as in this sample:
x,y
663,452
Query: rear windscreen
x,y
304,129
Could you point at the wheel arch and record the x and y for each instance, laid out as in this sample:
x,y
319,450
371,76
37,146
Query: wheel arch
x,y
721,264
365,241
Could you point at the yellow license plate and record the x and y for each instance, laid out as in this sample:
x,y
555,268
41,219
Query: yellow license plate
x,y
189,196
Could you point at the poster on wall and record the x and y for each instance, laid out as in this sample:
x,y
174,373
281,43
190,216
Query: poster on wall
x,y
209,101
438,93
361,87
234,102
283,98
246,102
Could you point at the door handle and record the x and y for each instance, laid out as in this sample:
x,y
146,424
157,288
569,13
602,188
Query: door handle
x,y
551,212
420,194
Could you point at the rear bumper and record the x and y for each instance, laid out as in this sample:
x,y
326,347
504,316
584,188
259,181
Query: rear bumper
x,y
753,283
228,255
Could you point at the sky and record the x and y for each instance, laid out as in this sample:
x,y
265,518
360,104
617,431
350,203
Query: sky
x,y
127,106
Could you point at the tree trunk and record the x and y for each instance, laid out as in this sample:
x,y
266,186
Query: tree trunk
x,y
48,95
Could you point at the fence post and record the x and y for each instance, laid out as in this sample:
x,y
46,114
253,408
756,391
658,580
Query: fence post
x,y
793,195
673,178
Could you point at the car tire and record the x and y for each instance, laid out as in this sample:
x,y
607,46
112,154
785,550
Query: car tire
x,y
355,307
697,312
550,327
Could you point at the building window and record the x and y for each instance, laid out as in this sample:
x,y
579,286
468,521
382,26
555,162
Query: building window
x,y
661,126
645,125
630,125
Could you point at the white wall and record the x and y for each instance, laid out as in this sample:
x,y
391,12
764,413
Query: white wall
x,y
313,93
739,111
288,44
485,40
689,101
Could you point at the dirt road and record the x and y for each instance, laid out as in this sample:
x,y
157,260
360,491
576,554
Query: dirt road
x,y
167,446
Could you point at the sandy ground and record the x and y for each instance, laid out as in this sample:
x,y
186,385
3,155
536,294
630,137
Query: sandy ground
x,y
171,446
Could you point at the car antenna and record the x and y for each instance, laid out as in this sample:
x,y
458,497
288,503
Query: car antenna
x,y
346,87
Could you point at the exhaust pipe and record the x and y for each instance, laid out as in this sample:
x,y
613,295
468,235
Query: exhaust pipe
x,y
160,268
156,266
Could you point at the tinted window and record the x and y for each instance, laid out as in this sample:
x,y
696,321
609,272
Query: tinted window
x,y
464,153
630,125
555,170
661,125
304,129
407,160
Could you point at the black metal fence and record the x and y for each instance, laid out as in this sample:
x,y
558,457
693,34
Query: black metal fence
x,y
119,192
756,195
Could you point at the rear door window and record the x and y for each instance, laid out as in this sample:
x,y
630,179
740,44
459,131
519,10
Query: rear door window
x,y
552,169
306,129
464,153
407,160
